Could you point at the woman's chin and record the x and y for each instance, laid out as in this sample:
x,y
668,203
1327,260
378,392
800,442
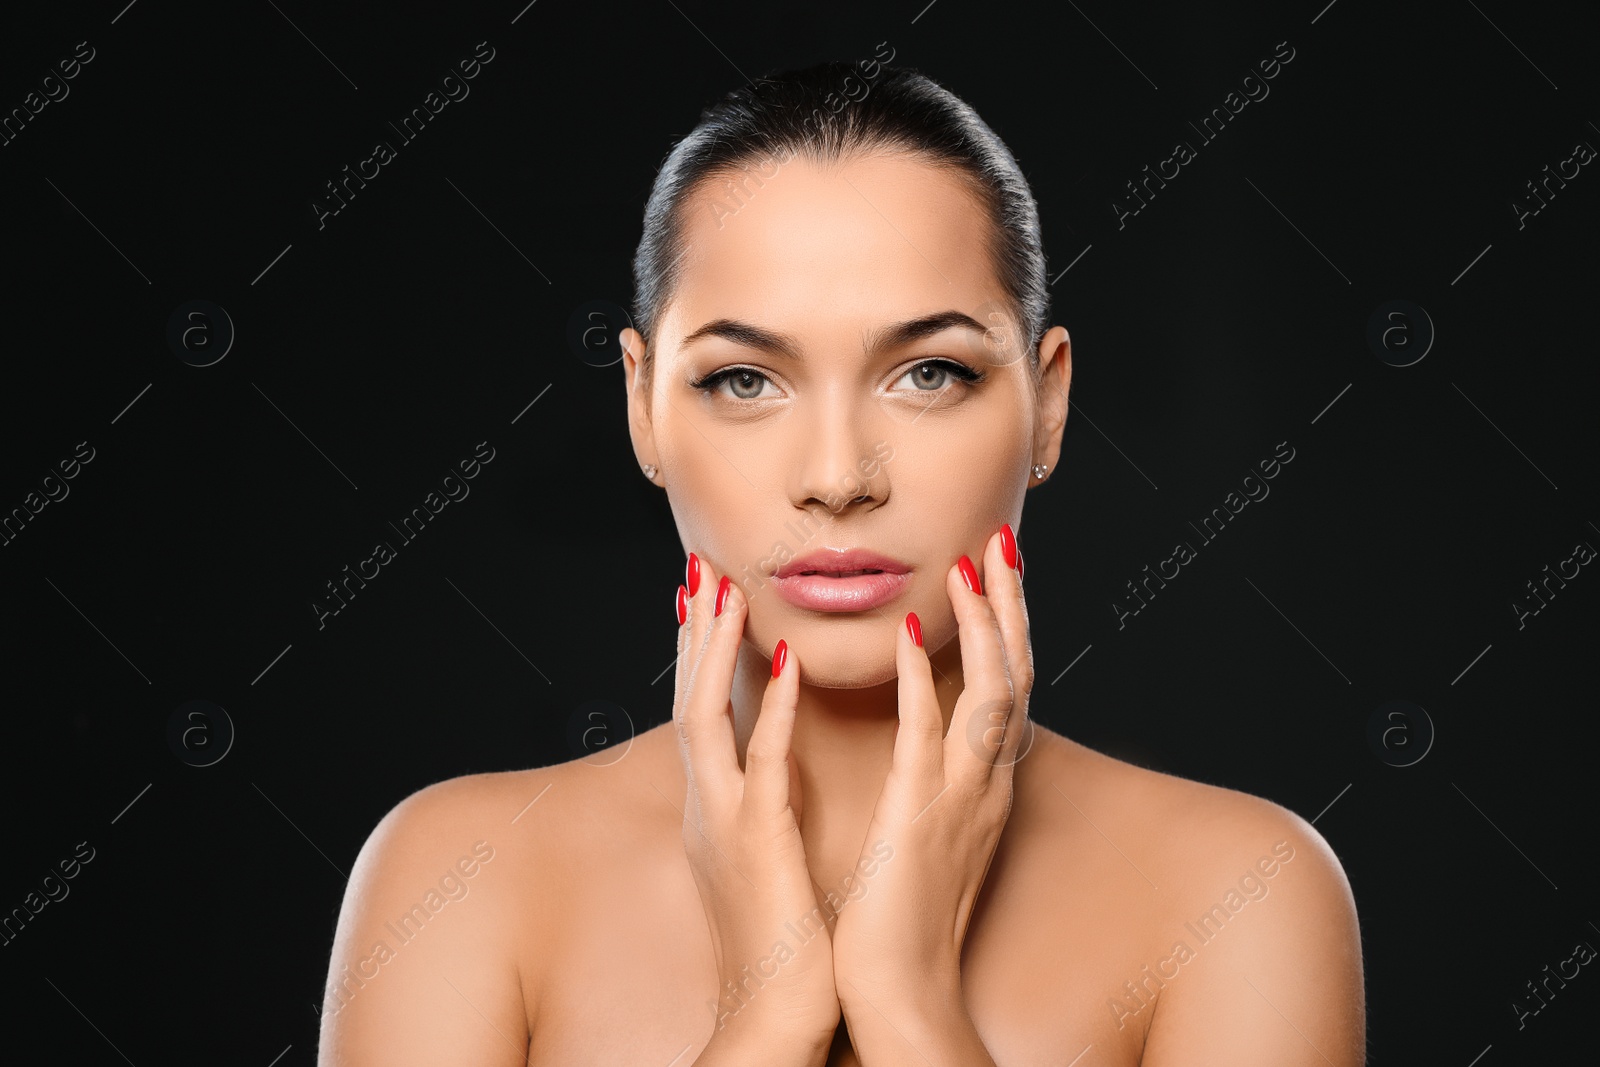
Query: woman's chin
x,y
854,675
835,661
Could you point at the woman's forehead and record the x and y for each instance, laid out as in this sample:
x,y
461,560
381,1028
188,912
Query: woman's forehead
x,y
871,239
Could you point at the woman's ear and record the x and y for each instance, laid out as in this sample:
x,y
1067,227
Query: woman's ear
x,y
639,425
1055,370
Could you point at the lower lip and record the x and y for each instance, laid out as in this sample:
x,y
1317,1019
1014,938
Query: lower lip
x,y
861,592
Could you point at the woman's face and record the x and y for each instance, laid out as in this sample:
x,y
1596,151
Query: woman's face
x,y
830,431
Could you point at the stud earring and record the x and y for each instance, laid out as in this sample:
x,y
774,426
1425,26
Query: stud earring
x,y
650,471
1039,469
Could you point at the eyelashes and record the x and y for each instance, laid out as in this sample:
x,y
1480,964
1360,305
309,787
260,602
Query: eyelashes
x,y
749,377
959,371
711,382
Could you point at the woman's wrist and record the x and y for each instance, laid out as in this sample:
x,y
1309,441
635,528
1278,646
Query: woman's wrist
x,y
748,1038
930,1019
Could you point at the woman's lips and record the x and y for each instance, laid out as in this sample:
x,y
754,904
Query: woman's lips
x,y
861,592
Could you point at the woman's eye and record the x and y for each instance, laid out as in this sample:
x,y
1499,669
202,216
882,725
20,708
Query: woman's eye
x,y
935,374
743,383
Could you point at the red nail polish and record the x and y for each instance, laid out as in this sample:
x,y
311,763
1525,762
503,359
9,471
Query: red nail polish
x,y
683,604
969,574
1008,545
693,574
780,656
914,628
722,594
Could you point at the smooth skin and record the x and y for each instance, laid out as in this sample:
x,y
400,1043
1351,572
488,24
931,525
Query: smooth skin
x,y
1037,891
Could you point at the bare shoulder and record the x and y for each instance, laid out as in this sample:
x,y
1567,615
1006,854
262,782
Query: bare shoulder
x,y
424,949
454,911
472,815
1251,944
1189,829
529,819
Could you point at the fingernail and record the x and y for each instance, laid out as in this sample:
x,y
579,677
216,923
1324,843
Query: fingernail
x,y
1008,545
914,628
722,594
693,575
683,604
1019,565
780,656
969,574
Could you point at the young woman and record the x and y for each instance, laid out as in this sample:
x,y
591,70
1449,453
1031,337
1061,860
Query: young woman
x,y
850,845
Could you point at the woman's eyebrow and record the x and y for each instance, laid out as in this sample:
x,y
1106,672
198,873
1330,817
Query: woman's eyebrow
x,y
895,335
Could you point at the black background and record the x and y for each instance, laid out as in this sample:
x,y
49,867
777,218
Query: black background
x,y
425,317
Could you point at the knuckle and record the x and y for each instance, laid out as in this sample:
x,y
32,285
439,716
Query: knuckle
x,y
1001,700
1024,666
764,753
1022,678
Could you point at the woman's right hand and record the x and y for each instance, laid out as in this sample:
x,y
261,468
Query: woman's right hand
x,y
742,835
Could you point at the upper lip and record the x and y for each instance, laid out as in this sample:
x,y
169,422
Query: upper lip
x,y
841,560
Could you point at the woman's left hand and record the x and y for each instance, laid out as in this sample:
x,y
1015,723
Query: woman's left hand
x,y
897,947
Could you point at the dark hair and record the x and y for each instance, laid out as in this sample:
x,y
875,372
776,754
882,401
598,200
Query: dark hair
x,y
813,112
